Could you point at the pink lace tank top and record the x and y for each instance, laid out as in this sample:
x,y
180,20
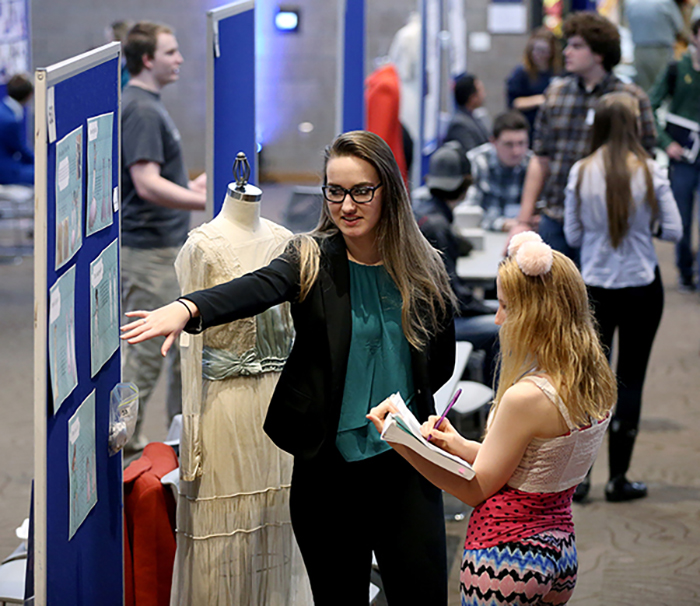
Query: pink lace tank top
x,y
537,498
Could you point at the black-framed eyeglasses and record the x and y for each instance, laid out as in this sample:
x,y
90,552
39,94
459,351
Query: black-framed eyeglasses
x,y
360,194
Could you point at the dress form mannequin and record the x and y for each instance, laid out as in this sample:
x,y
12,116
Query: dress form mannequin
x,y
234,542
239,220
404,53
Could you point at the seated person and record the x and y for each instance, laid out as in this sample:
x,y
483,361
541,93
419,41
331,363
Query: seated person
x,y
447,180
466,127
498,171
16,159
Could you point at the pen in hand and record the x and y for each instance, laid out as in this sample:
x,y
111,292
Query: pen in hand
x,y
444,414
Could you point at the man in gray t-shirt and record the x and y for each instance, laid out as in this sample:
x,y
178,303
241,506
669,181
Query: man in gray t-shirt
x,y
149,135
156,199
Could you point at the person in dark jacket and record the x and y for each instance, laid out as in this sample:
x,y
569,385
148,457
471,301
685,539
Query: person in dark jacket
x,y
679,87
448,178
465,126
372,309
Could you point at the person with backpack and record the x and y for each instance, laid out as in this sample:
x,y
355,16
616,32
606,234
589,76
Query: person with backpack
x,y
680,84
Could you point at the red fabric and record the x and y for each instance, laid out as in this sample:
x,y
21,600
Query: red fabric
x,y
382,98
149,529
511,515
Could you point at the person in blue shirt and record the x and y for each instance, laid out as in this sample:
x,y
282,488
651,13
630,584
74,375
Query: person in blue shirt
x,y
16,158
526,85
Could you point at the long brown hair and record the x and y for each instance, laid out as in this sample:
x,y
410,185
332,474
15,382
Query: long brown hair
x,y
542,33
549,326
616,134
413,264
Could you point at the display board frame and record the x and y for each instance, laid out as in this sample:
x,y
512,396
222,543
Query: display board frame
x,y
87,567
352,56
230,98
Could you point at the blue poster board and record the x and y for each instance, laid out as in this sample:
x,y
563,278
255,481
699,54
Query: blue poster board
x,y
432,76
351,66
78,543
230,96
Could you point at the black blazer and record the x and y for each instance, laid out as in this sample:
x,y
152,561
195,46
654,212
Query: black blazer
x,y
305,407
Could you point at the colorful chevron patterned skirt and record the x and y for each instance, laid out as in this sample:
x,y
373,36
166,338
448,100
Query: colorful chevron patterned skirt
x,y
540,569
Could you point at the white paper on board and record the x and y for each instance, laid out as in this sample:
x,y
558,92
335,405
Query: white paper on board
x,y
74,430
51,113
98,270
55,306
63,371
82,468
217,48
93,129
507,18
480,42
184,339
100,176
63,174
104,307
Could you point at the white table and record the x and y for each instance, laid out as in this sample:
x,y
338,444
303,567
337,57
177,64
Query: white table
x,y
482,265
445,393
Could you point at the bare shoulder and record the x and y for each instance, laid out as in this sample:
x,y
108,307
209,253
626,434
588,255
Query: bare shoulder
x,y
525,397
528,404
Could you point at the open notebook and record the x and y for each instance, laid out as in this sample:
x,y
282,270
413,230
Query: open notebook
x,y
402,427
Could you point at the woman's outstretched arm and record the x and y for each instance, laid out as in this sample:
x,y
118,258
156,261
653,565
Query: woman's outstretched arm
x,y
241,297
167,321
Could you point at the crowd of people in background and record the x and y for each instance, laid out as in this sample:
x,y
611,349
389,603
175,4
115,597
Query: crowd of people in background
x,y
589,184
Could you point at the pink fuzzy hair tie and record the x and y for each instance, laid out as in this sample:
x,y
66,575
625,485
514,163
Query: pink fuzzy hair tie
x,y
534,258
519,239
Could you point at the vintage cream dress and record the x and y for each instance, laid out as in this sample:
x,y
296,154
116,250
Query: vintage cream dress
x,y
234,537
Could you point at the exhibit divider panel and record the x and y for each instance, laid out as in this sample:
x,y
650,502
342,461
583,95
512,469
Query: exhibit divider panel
x,y
352,53
230,113
78,534
431,12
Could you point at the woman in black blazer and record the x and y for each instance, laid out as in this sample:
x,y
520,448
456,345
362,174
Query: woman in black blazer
x,y
372,310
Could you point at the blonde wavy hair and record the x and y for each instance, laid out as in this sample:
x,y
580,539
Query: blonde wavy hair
x,y
549,326
413,264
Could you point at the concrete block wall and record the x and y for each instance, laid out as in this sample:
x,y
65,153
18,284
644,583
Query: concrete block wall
x,y
296,72
494,66
298,80
65,28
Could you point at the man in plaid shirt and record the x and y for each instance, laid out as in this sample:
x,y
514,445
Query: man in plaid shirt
x,y
565,119
498,171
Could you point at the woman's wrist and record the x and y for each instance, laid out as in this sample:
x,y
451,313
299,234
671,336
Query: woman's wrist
x,y
189,306
528,224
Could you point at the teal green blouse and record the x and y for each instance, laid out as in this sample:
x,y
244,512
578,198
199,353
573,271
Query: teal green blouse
x,y
379,362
